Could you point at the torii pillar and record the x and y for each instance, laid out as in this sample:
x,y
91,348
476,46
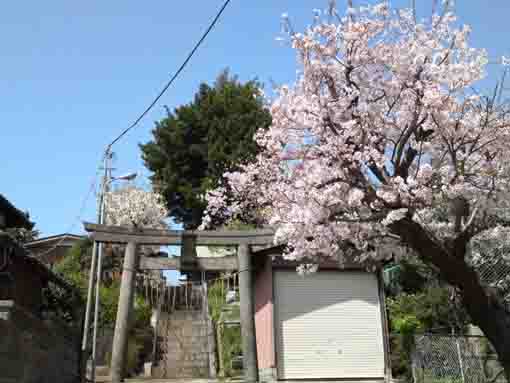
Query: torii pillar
x,y
120,337
247,296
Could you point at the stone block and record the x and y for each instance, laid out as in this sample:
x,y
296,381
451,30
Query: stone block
x,y
187,331
267,375
171,372
199,323
102,370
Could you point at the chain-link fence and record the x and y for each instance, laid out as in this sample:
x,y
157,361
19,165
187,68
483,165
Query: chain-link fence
x,y
494,271
455,359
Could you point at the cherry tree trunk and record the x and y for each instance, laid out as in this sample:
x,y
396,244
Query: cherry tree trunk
x,y
484,308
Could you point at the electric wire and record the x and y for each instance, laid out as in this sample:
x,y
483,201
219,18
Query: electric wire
x,y
174,77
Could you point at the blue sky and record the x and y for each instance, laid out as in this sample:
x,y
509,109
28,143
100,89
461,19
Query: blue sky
x,y
74,74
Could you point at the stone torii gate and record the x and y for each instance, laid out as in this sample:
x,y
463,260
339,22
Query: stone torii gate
x,y
242,240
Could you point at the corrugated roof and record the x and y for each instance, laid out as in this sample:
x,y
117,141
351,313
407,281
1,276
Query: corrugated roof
x,y
54,238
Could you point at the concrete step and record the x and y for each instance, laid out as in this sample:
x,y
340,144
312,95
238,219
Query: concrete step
x,y
180,380
107,379
103,379
102,373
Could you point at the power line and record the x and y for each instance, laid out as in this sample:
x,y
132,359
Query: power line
x,y
143,114
169,83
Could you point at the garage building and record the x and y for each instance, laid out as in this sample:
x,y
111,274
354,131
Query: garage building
x,y
327,325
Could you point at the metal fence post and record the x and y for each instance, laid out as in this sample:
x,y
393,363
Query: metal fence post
x,y
461,365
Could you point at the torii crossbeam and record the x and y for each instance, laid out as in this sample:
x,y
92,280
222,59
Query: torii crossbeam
x,y
188,261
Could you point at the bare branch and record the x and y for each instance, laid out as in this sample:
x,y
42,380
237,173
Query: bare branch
x,y
460,211
332,181
449,146
471,219
434,6
378,173
446,8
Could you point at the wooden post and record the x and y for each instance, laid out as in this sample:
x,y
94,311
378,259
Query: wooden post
x,y
247,314
120,336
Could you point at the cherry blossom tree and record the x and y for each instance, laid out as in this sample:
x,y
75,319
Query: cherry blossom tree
x,y
382,141
135,207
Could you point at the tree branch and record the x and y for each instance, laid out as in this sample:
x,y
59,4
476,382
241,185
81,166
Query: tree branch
x,y
470,220
378,173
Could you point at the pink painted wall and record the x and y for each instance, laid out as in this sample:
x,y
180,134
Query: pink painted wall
x,y
264,316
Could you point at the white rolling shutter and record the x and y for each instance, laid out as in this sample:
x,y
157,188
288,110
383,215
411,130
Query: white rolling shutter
x,y
328,326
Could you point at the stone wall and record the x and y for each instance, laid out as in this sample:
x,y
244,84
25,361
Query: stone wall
x,y
36,351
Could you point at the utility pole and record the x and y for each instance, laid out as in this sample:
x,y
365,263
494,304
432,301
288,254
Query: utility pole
x,y
96,258
105,186
96,264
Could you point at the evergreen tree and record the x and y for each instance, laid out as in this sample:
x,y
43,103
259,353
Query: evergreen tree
x,y
198,142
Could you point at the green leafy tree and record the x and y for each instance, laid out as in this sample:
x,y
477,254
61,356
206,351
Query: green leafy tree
x,y
410,276
197,143
75,268
419,301
429,310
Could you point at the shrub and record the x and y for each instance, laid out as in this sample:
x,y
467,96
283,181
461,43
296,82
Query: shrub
x,y
228,337
75,269
428,310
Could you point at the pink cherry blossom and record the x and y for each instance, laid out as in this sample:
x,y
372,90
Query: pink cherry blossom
x,y
380,126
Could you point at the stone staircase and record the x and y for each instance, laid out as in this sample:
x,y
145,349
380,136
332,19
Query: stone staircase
x,y
183,349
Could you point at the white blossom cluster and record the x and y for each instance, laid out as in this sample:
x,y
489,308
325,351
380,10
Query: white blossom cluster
x,y
135,207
